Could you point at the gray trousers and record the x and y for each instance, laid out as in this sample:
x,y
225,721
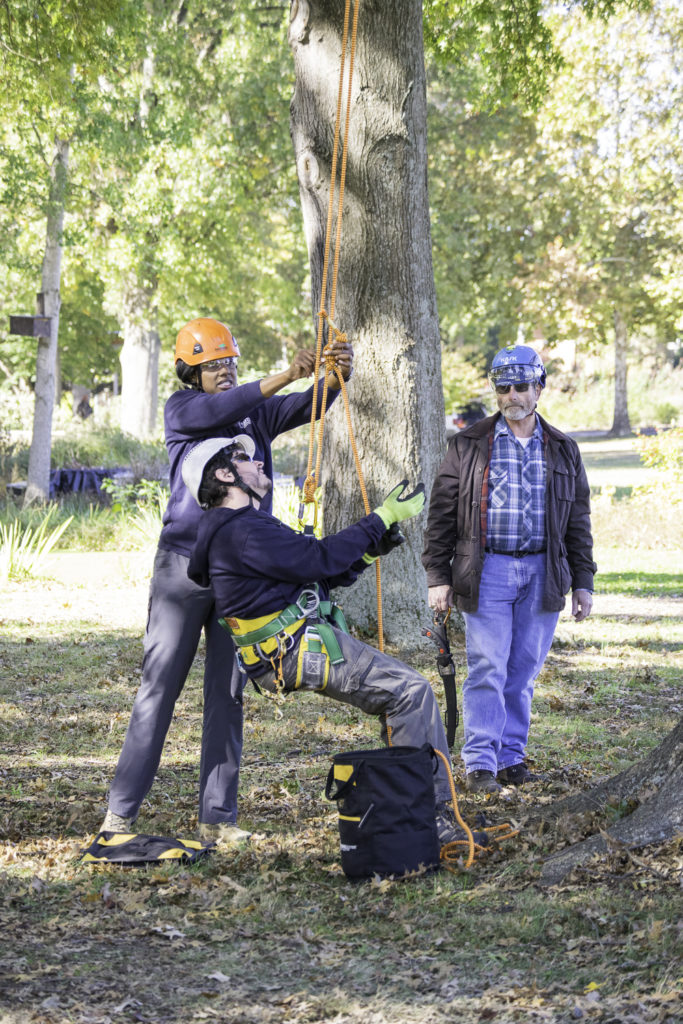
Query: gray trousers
x,y
379,685
178,611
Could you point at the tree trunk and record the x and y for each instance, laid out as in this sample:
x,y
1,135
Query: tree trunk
x,y
386,300
652,793
621,425
38,486
139,361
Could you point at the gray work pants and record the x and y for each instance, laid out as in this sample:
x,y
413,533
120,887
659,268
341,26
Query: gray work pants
x,y
178,611
379,685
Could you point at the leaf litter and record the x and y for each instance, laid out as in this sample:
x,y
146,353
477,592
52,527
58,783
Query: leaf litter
x,y
273,931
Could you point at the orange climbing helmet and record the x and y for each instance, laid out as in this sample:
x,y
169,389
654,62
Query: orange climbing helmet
x,y
202,340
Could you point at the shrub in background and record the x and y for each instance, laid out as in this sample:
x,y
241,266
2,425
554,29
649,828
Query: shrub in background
x,y
23,549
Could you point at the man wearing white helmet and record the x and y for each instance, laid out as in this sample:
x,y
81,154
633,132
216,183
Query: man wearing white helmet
x,y
211,404
271,586
508,534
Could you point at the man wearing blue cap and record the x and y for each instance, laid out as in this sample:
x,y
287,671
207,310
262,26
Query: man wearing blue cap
x,y
508,535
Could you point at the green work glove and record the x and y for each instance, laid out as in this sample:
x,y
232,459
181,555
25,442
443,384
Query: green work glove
x,y
395,508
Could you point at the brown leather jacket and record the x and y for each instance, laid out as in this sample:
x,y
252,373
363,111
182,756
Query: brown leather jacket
x,y
454,539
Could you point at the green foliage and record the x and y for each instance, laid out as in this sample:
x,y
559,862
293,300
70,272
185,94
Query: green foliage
x,y
508,45
127,498
664,452
509,40
23,549
667,414
462,382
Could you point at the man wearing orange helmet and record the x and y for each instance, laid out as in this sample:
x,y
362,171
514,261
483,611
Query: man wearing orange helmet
x,y
211,404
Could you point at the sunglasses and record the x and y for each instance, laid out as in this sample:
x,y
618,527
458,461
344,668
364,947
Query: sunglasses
x,y
214,365
240,457
503,389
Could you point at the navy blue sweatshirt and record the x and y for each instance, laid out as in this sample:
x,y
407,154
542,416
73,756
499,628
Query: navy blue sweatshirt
x,y
191,416
256,565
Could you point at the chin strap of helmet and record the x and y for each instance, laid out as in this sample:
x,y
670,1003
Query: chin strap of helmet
x,y
249,491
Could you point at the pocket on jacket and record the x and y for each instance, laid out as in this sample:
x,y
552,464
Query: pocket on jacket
x,y
565,576
565,484
461,575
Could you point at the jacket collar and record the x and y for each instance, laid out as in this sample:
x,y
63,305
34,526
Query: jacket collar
x,y
484,427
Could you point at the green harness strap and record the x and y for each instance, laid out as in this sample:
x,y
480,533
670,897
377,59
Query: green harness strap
x,y
330,613
292,613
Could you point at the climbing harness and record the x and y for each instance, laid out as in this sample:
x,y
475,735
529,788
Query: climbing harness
x,y
328,331
446,666
269,637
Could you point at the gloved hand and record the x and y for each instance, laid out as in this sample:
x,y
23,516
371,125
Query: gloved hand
x,y
395,508
393,538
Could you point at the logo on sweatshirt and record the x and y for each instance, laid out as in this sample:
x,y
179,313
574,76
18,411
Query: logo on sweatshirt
x,y
245,423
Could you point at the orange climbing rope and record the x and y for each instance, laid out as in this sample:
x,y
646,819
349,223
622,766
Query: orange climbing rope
x,y
452,852
325,317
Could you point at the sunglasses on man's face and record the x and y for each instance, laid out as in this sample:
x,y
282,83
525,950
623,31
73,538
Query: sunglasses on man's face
x,y
503,389
214,365
241,457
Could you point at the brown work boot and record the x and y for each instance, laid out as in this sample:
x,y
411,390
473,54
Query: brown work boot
x,y
516,775
482,781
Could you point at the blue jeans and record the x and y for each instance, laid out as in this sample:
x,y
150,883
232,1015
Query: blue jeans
x,y
508,639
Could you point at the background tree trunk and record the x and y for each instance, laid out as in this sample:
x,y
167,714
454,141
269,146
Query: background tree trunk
x,y
386,301
621,425
38,486
139,362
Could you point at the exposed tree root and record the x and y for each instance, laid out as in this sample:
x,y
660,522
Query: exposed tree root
x,y
650,791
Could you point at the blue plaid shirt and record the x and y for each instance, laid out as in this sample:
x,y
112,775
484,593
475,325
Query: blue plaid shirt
x,y
515,517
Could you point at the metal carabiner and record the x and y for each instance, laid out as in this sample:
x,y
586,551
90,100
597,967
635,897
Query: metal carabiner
x,y
312,600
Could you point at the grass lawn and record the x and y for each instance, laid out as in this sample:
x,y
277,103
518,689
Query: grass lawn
x,y
615,462
273,932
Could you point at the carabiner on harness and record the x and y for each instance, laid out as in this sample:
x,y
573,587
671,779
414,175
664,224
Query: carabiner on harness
x,y
308,602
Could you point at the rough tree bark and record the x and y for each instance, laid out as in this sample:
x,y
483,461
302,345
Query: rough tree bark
x,y
621,424
652,793
38,485
139,361
141,345
386,301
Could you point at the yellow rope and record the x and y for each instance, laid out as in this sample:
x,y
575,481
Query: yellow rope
x,y
313,475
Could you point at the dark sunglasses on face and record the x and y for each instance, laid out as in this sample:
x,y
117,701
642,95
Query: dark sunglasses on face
x,y
503,389
214,365
241,457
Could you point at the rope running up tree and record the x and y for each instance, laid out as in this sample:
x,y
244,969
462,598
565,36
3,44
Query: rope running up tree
x,y
325,318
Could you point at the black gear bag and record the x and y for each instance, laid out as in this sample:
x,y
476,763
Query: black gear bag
x,y
386,805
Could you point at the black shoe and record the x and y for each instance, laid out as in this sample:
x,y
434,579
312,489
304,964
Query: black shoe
x,y
449,831
516,775
482,781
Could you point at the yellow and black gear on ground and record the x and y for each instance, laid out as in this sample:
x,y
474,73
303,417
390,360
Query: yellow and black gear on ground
x,y
134,849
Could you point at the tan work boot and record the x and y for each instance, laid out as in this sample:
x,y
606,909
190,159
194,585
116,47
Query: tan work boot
x,y
224,833
115,823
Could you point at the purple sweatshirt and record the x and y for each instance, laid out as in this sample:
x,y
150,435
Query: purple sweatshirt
x,y
191,416
256,565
